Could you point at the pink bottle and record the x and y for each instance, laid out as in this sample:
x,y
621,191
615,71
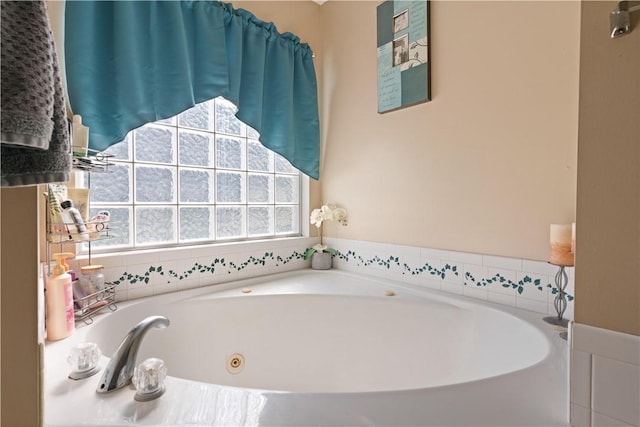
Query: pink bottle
x,y
60,320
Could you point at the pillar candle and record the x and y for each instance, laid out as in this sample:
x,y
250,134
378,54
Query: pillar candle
x,y
560,241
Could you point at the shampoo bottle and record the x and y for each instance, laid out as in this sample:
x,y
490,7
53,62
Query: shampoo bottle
x,y
73,220
60,321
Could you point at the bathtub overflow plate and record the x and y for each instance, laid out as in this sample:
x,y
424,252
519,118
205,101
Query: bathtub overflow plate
x,y
235,363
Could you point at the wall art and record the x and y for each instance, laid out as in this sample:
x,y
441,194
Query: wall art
x,y
404,62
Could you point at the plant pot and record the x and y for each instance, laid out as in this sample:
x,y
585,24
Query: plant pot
x,y
321,261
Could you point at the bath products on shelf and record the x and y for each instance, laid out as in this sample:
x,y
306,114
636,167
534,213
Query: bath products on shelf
x,y
79,295
98,224
60,321
80,197
91,279
63,261
56,193
73,220
80,137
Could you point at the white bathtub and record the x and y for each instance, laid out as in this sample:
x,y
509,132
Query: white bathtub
x,y
324,348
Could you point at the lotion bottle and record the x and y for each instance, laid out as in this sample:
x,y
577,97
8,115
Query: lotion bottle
x,y
73,220
60,321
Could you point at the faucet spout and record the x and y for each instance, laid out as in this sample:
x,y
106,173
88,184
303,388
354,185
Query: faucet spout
x,y
119,371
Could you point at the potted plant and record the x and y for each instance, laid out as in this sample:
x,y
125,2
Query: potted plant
x,y
320,254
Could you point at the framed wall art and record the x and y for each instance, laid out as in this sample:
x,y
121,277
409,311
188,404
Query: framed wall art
x,y
404,62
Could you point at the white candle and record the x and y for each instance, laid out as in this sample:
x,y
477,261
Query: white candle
x,y
560,242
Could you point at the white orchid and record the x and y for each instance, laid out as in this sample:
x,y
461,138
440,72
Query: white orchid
x,y
327,212
340,215
316,217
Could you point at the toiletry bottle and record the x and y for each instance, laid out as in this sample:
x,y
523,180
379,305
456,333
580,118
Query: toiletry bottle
x,y
60,322
73,220
91,279
70,272
79,137
64,256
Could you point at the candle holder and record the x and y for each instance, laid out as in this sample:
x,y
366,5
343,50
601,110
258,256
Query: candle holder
x,y
560,302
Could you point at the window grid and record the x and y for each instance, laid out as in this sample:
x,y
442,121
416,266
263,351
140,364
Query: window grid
x,y
232,158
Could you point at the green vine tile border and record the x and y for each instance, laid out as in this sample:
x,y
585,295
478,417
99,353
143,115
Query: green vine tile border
x,y
216,264
348,257
469,279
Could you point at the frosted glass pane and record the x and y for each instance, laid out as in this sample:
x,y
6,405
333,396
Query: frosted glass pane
x,y
195,149
167,121
260,220
120,150
283,165
119,224
196,186
111,187
202,175
155,144
287,189
196,223
287,219
229,153
229,187
155,225
259,157
197,117
226,121
230,222
260,188
155,184
252,133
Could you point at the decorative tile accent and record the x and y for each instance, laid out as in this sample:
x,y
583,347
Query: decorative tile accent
x,y
523,283
351,256
510,281
217,263
446,271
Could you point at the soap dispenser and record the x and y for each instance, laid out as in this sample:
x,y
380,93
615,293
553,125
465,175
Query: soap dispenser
x,y
60,322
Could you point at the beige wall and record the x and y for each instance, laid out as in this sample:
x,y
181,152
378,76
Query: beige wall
x,y
21,365
608,199
485,166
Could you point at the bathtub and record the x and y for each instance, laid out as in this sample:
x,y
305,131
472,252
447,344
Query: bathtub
x,y
322,348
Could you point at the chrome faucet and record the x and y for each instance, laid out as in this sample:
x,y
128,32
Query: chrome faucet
x,y
119,371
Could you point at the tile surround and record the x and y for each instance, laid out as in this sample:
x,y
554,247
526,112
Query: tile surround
x,y
514,282
605,369
509,281
604,377
146,273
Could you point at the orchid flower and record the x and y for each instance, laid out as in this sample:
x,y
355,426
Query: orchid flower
x,y
327,212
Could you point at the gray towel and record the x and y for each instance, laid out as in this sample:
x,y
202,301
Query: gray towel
x,y
35,134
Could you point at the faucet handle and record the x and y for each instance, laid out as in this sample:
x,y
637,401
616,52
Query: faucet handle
x,y
83,360
148,379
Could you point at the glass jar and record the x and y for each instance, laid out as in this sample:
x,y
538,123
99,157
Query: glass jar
x,y
91,279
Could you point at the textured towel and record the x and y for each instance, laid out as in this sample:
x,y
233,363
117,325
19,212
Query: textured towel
x,y
35,134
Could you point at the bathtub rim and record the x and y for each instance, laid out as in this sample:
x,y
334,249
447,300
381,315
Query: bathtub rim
x,y
533,319
293,408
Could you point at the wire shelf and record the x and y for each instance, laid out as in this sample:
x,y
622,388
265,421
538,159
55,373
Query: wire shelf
x,y
87,307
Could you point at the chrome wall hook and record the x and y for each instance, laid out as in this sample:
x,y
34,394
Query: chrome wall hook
x,y
620,18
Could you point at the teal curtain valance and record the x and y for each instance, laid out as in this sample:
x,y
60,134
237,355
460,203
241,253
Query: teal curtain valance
x,y
133,62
